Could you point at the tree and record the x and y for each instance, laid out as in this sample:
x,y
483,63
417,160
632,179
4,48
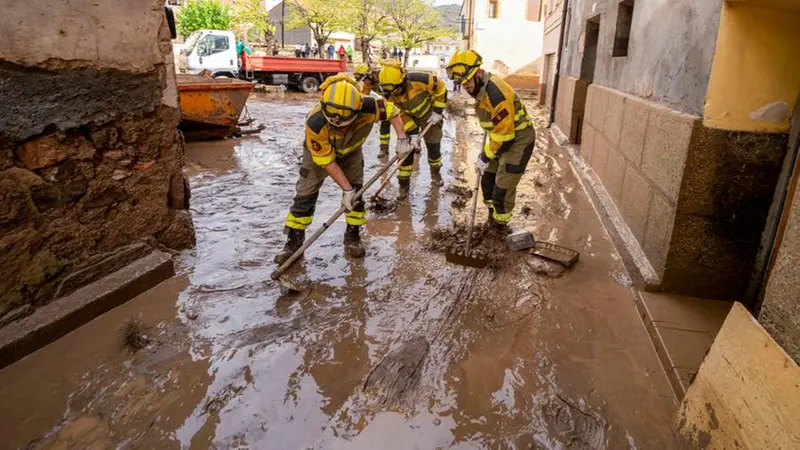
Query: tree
x,y
203,15
321,16
368,19
254,17
415,22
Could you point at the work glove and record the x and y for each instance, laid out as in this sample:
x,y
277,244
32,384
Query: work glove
x,y
349,198
481,164
415,143
435,118
402,148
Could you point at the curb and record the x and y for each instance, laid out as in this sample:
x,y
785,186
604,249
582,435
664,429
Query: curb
x,y
66,314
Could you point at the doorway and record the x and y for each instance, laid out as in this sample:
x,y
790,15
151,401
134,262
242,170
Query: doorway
x,y
590,48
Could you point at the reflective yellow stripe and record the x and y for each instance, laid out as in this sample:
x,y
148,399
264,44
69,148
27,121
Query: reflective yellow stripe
x,y
519,114
298,223
426,105
435,162
501,137
439,104
405,171
488,204
323,160
523,125
385,138
409,126
389,110
487,125
355,218
352,148
502,218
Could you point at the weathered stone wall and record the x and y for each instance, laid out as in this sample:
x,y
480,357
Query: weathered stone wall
x,y
90,157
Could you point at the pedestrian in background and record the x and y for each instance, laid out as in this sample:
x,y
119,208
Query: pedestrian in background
x,y
394,52
315,50
275,50
349,53
331,51
298,51
307,51
342,51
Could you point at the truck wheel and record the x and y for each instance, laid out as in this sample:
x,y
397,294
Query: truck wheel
x,y
309,85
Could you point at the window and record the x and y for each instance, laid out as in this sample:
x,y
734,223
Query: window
x,y
213,44
623,32
493,9
534,10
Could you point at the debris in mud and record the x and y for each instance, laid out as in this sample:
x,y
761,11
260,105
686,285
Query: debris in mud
x,y
544,267
573,425
381,206
486,243
526,211
396,376
459,191
459,203
215,404
133,336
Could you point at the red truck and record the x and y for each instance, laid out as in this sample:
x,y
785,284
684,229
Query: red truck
x,y
215,51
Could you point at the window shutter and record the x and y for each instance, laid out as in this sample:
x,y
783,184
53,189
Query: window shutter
x,y
534,10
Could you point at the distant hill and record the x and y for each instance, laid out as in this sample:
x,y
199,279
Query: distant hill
x,y
451,16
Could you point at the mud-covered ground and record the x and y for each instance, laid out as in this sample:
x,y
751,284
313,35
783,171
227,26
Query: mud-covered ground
x,y
398,350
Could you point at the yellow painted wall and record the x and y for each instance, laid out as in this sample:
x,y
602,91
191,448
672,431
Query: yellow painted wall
x,y
757,64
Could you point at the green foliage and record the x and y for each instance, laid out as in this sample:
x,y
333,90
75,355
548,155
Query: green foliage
x,y
203,15
414,23
322,16
254,17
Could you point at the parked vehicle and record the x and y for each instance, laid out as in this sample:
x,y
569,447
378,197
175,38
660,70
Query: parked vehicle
x,y
215,51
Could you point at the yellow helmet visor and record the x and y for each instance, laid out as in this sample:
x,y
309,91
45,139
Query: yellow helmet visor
x,y
338,115
461,72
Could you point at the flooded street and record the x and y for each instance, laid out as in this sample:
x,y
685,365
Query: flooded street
x,y
398,350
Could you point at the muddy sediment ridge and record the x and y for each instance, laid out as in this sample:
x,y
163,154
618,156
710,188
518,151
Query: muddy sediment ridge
x,y
487,243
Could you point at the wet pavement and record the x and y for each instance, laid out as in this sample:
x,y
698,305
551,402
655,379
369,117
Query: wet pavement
x,y
398,350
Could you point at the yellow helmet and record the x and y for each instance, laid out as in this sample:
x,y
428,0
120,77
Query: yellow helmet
x,y
392,76
341,100
463,66
362,71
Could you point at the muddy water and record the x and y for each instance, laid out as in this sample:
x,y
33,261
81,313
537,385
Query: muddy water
x,y
399,350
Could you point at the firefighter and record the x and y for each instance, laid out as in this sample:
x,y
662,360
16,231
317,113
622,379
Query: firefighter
x,y
510,134
423,98
336,129
369,85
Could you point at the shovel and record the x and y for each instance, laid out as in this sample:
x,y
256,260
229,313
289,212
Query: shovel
x,y
466,259
380,202
276,275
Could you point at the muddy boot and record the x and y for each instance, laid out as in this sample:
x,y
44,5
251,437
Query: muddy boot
x,y
405,184
352,242
384,151
436,177
499,228
294,241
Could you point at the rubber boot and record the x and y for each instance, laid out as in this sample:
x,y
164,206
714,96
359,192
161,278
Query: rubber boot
x,y
352,242
295,240
384,151
405,185
501,229
436,177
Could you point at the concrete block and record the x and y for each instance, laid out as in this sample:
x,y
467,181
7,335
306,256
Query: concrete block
x,y
59,317
613,120
599,155
634,129
599,105
668,136
587,143
660,221
589,113
614,174
635,202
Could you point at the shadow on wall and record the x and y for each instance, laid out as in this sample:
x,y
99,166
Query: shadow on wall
x,y
527,77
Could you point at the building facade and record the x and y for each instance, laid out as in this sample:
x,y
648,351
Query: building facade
x,y
552,13
508,35
682,111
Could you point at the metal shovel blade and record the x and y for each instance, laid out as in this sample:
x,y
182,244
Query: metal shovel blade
x,y
465,260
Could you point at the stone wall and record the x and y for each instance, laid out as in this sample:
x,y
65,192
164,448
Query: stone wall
x,y
90,159
695,198
571,106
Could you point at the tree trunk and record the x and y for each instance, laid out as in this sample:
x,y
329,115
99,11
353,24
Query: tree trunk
x,y
366,50
405,57
321,50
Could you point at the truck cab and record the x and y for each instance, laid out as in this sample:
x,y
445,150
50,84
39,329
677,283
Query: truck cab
x,y
212,50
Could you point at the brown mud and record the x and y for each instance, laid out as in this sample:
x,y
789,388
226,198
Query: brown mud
x,y
396,350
